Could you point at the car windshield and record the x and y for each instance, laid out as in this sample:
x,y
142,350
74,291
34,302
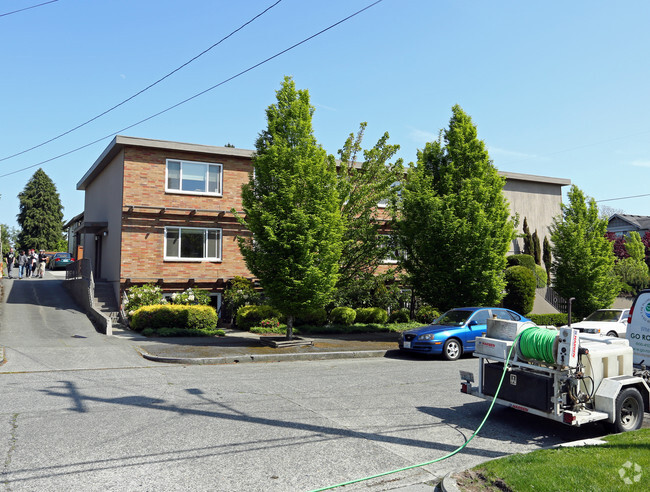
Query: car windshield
x,y
604,316
455,317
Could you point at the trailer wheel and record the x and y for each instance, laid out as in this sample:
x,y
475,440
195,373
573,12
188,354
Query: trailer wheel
x,y
629,411
452,349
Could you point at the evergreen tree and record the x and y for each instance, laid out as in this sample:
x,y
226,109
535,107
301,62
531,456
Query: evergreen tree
x,y
633,270
528,240
292,209
548,258
361,187
583,265
455,227
537,249
40,214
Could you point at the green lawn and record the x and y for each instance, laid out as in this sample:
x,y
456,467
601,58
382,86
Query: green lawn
x,y
589,468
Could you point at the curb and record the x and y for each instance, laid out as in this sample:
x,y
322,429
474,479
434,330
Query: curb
x,y
234,359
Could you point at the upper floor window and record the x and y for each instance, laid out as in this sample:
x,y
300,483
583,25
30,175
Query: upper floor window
x,y
192,243
194,177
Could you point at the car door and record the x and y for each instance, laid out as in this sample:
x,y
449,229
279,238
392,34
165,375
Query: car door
x,y
476,327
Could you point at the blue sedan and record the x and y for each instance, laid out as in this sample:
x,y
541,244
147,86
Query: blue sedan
x,y
455,332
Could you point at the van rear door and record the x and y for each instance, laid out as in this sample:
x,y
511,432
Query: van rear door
x,y
638,328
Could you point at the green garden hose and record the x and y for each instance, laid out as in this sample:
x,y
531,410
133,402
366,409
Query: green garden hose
x,y
449,455
537,343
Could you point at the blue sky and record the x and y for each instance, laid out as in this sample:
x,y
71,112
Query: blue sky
x,y
555,88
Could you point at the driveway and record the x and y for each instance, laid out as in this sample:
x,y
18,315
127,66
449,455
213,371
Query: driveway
x,y
42,329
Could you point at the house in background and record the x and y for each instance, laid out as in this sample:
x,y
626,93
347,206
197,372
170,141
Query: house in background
x,y
538,199
622,224
161,212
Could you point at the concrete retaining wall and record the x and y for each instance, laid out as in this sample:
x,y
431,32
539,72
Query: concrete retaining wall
x,y
81,290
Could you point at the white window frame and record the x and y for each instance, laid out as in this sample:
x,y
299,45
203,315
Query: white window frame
x,y
207,165
205,230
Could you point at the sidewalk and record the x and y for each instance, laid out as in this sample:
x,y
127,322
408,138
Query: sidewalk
x,y
242,346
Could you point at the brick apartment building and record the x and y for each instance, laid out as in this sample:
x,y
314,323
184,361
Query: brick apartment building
x,y
161,212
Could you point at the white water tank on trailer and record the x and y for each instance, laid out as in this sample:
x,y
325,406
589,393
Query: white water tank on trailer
x,y
607,357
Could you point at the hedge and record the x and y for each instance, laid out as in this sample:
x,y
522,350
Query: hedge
x,y
522,260
426,314
520,289
400,316
372,315
312,317
343,316
555,319
249,316
193,318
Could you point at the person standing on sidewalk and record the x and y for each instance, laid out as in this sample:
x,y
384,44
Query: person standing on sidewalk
x,y
11,258
22,263
42,259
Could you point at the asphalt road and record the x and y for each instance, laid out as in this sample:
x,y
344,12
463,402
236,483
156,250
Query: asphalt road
x,y
80,411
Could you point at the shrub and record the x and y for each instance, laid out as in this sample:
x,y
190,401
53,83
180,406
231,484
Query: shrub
x,y
312,317
541,277
555,319
249,316
372,315
191,297
145,295
239,292
270,324
520,289
426,314
522,260
400,316
343,316
192,318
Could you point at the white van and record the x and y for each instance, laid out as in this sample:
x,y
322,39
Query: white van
x,y
638,328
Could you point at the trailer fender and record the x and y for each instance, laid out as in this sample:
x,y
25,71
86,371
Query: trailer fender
x,y
609,389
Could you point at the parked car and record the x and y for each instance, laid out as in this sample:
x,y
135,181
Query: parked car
x,y
455,332
610,322
59,260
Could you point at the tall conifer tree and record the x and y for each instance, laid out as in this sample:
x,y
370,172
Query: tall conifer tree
x,y
40,214
292,209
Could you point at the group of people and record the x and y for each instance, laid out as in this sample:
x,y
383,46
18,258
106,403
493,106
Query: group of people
x,y
30,264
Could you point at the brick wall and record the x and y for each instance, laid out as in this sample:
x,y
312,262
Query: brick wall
x,y
143,230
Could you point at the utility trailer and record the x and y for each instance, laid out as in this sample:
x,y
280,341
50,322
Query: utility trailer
x,y
587,378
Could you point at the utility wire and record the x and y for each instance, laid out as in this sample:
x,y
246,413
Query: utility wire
x,y
622,198
143,90
27,8
200,93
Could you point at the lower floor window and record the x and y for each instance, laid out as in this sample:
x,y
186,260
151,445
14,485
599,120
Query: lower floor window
x,y
192,243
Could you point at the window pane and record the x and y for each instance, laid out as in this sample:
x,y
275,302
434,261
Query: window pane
x,y
174,175
214,244
192,243
193,177
213,179
172,243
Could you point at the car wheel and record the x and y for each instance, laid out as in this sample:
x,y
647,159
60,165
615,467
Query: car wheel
x,y
629,411
452,349
612,334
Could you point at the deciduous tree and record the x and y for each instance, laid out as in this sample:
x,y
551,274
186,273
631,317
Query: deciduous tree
x,y
583,264
455,226
292,209
367,185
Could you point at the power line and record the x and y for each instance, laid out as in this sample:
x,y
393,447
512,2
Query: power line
x,y
622,198
27,8
200,93
141,91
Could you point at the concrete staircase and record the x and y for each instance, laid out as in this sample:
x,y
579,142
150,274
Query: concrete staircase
x,y
105,301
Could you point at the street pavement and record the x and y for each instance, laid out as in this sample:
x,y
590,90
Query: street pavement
x,y
83,411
